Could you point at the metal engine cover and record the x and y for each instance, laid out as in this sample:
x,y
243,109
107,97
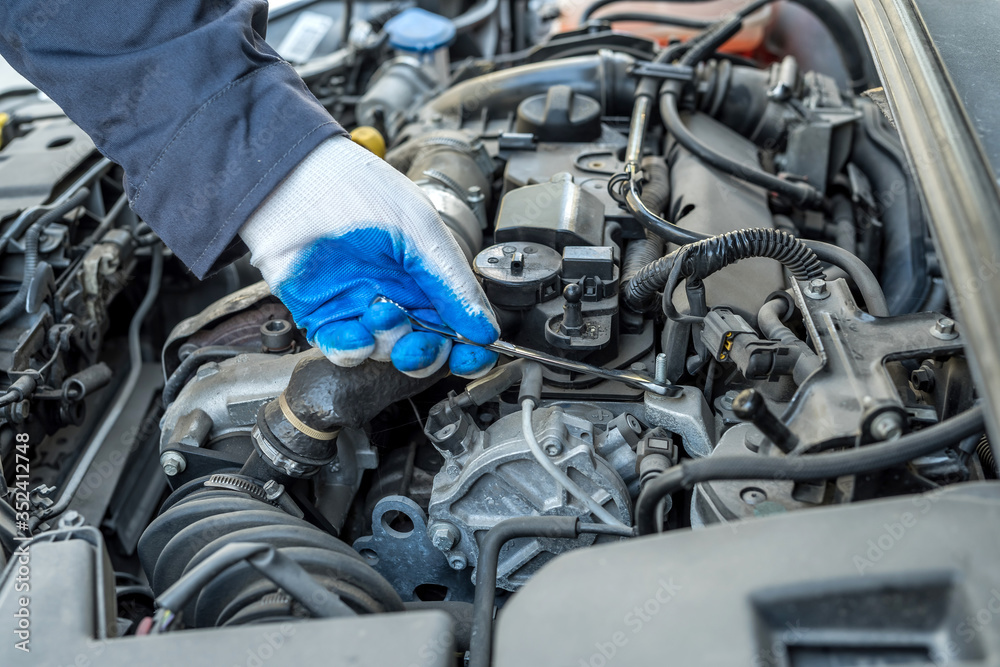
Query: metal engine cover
x,y
497,477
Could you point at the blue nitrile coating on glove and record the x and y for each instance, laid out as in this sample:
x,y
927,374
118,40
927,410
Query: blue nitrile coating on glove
x,y
327,251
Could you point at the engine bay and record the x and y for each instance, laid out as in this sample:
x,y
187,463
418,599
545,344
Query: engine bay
x,y
725,232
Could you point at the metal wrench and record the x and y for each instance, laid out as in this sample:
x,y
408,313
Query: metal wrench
x,y
629,378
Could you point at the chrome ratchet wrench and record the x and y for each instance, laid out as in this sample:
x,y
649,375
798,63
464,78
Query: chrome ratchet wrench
x,y
629,378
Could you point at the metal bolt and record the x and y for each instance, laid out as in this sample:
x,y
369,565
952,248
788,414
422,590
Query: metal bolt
x,y
457,561
633,423
922,379
753,440
552,448
728,398
944,329
273,490
19,411
945,325
887,426
638,367
752,495
444,536
173,463
71,519
661,368
817,289
277,335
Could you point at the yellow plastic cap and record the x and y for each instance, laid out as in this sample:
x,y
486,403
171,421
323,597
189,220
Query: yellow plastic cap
x,y
370,138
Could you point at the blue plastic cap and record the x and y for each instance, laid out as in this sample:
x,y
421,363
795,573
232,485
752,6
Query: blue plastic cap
x,y
419,31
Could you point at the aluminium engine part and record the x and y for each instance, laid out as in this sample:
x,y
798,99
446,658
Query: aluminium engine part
x,y
454,171
688,415
850,398
844,399
395,89
491,475
388,492
229,393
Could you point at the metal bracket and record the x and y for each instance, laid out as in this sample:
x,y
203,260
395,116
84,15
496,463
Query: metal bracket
x,y
687,415
408,559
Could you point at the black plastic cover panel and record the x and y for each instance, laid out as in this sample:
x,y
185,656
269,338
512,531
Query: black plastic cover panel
x,y
909,580
69,590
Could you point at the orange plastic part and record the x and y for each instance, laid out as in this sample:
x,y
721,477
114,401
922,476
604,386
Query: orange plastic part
x,y
746,41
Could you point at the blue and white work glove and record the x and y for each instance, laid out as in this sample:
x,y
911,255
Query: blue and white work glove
x,y
344,228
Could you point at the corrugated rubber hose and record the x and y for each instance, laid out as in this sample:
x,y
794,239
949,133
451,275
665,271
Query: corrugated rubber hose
x,y
698,260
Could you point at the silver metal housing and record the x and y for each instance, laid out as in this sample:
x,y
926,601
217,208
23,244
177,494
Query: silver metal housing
x,y
497,477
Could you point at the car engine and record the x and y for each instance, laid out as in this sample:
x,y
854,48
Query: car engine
x,y
694,253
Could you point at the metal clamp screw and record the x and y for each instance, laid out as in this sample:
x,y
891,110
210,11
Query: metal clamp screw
x,y
173,463
273,490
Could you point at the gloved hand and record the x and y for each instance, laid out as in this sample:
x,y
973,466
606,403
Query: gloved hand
x,y
344,228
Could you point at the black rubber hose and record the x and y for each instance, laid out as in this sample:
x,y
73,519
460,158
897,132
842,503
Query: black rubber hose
x,y
858,272
589,10
844,37
655,224
31,237
845,228
800,194
805,361
287,574
806,468
8,529
851,49
603,76
655,196
345,29
645,17
705,257
481,642
187,368
476,16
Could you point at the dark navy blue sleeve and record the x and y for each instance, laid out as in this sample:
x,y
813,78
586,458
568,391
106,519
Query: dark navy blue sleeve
x,y
205,118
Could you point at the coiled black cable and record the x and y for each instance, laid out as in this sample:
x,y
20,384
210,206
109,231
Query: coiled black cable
x,y
806,468
697,261
986,458
655,195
